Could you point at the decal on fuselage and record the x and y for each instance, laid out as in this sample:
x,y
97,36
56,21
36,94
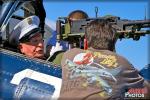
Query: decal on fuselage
x,y
38,76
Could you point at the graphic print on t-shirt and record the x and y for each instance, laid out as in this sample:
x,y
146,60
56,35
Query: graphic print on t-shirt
x,y
83,65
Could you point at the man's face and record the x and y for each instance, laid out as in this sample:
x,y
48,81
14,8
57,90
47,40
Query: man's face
x,y
33,47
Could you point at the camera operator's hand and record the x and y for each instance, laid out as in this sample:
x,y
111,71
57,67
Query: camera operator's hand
x,y
56,48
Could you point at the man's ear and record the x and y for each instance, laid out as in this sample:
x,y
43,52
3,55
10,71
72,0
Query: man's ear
x,y
20,47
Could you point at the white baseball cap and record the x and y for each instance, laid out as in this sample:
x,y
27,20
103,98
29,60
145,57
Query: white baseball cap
x,y
24,29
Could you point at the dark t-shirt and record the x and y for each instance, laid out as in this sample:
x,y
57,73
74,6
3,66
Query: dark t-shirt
x,y
97,75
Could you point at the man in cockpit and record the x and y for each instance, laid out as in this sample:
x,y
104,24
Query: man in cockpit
x,y
27,37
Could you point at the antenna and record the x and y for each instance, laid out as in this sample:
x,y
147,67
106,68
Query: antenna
x,y
145,14
96,11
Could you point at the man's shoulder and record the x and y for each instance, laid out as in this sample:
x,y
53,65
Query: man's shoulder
x,y
104,57
69,54
73,51
110,58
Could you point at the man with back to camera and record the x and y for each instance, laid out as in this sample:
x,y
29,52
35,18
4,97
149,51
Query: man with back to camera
x,y
26,36
98,73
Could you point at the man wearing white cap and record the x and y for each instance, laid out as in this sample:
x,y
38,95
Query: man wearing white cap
x,y
27,38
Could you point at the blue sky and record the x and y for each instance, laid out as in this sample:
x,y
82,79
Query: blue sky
x,y
135,51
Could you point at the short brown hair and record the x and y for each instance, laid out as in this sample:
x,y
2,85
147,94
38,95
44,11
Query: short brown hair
x,y
101,35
